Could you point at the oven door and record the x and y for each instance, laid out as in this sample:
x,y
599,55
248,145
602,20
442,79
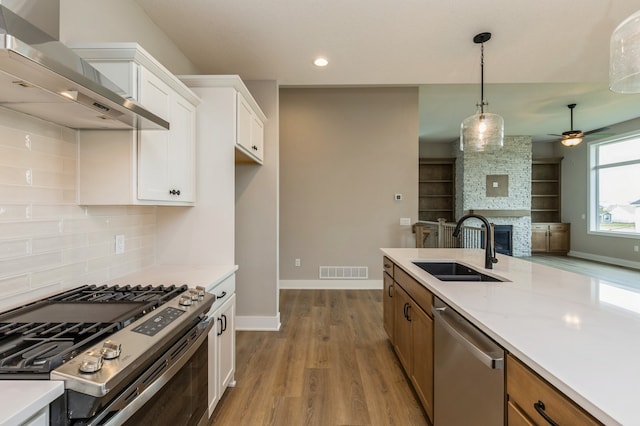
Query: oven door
x,y
168,393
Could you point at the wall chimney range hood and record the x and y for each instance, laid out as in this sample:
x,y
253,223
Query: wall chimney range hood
x,y
41,77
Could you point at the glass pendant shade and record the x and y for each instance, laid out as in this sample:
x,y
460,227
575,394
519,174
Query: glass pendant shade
x,y
481,131
624,60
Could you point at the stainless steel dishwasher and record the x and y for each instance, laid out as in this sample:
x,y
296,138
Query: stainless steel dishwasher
x,y
468,372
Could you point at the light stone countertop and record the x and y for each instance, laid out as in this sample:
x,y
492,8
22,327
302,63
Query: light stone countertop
x,y
21,399
581,334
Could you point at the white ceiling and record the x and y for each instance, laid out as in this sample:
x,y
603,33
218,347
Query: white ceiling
x,y
543,54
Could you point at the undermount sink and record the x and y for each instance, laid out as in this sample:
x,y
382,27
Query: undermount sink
x,y
453,271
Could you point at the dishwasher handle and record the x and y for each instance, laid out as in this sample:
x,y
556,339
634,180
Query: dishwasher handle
x,y
492,359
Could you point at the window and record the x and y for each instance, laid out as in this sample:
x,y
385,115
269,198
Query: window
x,y
615,192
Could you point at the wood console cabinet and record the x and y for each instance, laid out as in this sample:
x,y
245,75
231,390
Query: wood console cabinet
x,y
550,238
531,400
413,334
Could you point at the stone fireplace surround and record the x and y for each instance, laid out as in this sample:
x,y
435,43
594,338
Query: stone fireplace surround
x,y
513,160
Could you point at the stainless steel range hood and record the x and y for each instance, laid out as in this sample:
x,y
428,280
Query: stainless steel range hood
x,y
41,77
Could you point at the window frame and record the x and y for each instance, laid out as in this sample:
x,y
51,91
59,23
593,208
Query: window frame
x,y
593,167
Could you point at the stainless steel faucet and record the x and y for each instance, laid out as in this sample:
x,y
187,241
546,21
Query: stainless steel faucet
x,y
489,253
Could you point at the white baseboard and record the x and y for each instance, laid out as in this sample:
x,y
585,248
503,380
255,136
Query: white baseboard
x,y
331,284
255,323
605,259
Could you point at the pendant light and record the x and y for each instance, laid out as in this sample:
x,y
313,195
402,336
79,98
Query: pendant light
x,y
624,56
482,130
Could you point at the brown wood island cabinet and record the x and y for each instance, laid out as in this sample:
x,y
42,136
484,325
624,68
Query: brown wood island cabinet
x,y
531,400
412,335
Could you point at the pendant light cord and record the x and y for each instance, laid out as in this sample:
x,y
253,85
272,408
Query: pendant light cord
x,y
482,78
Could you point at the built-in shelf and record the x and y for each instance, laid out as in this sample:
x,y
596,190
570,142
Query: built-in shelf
x,y
436,183
545,190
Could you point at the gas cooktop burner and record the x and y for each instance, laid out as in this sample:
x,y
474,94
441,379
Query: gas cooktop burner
x,y
41,336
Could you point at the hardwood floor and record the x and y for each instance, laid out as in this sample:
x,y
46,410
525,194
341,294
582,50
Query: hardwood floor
x,y
330,364
611,273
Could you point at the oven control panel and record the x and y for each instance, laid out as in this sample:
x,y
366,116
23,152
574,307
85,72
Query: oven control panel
x,y
106,364
155,324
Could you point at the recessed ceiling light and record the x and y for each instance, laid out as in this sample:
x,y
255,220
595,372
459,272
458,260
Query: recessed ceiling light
x,y
320,62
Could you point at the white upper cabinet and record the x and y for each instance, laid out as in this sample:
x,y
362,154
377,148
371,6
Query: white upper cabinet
x,y
154,167
249,131
237,114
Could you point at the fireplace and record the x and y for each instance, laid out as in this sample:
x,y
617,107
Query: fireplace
x,y
503,239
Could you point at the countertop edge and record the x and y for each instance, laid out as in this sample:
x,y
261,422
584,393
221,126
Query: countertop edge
x,y
29,397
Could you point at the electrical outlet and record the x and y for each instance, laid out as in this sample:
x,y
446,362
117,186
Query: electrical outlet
x,y
297,262
405,221
397,197
119,244
636,248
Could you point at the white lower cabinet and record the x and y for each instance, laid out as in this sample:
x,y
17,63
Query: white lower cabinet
x,y
222,346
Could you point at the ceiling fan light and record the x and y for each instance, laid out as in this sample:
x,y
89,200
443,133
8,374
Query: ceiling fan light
x,y
624,56
570,142
481,131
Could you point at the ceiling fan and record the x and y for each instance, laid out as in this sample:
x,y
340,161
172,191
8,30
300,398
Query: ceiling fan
x,y
574,137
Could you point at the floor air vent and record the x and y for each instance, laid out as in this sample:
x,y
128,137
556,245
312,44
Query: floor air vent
x,y
344,272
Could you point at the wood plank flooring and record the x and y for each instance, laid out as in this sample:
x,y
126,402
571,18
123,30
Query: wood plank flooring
x,y
330,364
611,273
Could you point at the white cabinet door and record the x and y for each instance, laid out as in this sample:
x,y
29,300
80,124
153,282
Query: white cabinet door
x,y
222,351
182,151
153,146
227,344
249,130
243,123
257,137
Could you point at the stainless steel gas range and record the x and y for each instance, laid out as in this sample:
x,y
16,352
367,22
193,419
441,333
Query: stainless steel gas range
x,y
126,354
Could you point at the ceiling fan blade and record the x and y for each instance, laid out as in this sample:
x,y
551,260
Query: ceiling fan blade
x,y
596,130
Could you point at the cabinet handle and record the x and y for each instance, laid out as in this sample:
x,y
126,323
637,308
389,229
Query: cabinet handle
x,y
386,265
223,294
221,327
539,406
174,192
407,312
255,148
224,327
389,291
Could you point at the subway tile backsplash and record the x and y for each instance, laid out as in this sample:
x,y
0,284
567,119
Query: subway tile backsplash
x,y
47,242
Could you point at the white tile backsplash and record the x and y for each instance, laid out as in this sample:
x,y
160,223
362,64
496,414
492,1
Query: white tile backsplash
x,y
47,242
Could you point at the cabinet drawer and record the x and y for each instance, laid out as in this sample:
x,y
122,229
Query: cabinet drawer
x,y
387,264
526,389
421,295
515,417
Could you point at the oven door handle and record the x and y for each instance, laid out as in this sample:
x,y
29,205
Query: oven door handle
x,y
123,413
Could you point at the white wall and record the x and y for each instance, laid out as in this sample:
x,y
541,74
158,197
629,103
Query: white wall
x,y
575,189
257,221
119,21
345,153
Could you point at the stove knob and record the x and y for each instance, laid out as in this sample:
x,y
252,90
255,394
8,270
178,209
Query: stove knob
x,y
185,301
201,291
194,295
91,362
110,350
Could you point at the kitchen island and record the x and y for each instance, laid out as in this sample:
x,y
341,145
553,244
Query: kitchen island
x,y
576,332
